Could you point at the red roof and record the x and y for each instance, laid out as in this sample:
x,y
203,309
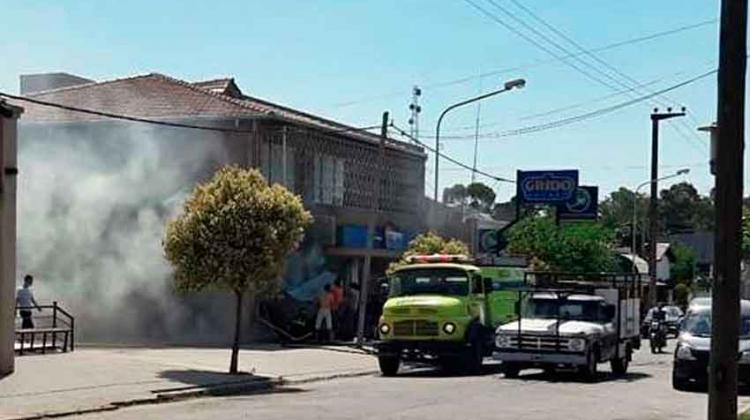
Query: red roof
x,y
156,96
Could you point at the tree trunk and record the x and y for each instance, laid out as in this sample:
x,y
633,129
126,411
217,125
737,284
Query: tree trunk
x,y
237,325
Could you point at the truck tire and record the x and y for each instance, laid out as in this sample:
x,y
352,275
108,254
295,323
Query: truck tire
x,y
389,365
589,371
473,357
511,370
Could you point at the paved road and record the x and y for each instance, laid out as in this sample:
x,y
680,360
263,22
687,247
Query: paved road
x,y
645,393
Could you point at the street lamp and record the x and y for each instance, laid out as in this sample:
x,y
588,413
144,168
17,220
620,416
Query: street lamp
x,y
509,85
680,172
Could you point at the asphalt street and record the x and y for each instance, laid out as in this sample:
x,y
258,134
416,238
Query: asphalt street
x,y
645,393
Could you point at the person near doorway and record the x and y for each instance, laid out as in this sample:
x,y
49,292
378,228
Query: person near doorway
x,y
325,303
25,302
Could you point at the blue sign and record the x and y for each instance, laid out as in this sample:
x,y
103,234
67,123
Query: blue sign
x,y
546,187
583,206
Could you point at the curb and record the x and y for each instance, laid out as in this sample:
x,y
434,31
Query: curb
x,y
259,385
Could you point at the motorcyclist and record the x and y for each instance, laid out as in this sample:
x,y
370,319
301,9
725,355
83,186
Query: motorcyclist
x,y
658,317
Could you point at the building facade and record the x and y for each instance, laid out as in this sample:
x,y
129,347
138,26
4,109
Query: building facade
x,y
332,166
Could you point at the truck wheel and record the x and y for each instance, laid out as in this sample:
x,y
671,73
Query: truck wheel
x,y
620,366
589,370
473,358
389,365
511,370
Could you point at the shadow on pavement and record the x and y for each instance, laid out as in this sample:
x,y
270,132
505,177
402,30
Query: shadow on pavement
x,y
194,378
428,371
572,377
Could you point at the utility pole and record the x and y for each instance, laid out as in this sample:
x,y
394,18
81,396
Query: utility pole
x,y
653,218
374,212
722,375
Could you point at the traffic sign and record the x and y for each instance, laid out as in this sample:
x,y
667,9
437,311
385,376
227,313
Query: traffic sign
x,y
583,206
546,187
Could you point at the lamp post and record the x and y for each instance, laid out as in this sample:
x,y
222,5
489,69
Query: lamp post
x,y
635,207
509,85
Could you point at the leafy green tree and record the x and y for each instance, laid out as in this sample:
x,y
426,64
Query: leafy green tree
x,y
428,244
684,269
681,209
682,294
578,247
234,233
616,213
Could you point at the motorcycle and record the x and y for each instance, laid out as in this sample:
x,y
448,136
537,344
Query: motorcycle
x,y
657,336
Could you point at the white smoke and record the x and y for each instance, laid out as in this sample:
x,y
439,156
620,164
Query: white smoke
x,y
92,206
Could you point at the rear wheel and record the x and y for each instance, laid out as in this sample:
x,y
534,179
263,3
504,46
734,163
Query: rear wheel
x,y
389,365
620,366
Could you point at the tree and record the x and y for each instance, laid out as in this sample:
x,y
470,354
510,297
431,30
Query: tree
x,y
684,268
428,244
456,195
745,233
682,209
234,233
579,247
616,213
482,197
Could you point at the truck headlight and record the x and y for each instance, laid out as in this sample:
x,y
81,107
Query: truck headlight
x,y
577,344
502,341
449,328
684,353
385,329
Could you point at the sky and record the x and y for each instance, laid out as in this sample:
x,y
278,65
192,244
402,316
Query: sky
x,y
352,60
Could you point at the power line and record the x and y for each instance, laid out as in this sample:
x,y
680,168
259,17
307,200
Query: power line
x,y
537,63
602,62
160,122
588,115
450,159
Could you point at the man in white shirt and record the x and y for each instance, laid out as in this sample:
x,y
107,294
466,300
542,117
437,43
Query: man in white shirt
x,y
25,302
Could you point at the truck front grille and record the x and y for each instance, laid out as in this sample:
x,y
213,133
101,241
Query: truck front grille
x,y
539,342
415,328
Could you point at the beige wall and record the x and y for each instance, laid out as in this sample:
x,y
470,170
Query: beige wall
x,y
8,247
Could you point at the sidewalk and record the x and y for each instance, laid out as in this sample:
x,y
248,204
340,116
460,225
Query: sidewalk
x,y
101,378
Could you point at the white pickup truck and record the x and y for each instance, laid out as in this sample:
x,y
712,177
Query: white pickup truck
x,y
572,324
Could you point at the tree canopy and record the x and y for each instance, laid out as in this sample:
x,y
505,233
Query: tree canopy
x,y
428,244
477,195
234,233
577,247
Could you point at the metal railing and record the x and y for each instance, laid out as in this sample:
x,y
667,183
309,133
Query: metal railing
x,y
60,322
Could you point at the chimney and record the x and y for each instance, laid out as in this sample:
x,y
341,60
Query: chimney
x,y
35,83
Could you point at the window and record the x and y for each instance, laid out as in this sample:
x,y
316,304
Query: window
x,y
272,165
328,183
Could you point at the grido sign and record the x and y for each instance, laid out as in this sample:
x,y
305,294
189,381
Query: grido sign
x,y
545,187
583,205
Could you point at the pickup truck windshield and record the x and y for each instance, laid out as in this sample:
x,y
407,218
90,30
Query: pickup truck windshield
x,y
435,281
569,310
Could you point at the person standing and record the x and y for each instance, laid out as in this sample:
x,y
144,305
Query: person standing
x,y
325,302
25,302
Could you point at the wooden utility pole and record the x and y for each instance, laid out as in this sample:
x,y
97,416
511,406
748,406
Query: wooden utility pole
x,y
722,376
653,213
374,212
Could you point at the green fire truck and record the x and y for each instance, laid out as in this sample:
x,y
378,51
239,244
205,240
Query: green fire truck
x,y
443,309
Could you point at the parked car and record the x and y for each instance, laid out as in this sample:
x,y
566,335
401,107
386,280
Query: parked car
x,y
672,319
690,368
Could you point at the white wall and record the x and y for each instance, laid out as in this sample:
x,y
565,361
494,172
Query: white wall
x,y
8,246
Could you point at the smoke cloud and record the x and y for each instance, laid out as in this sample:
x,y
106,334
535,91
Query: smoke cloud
x,y
92,205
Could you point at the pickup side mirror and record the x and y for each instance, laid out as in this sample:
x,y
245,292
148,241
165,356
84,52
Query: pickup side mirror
x,y
609,312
